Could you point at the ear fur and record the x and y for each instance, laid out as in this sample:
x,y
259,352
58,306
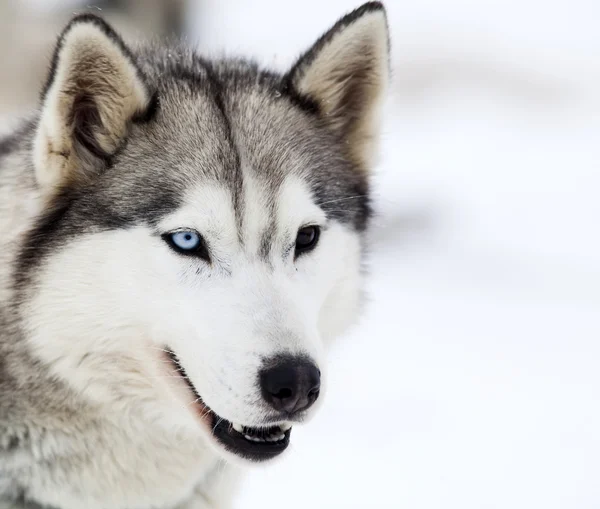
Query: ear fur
x,y
94,90
346,74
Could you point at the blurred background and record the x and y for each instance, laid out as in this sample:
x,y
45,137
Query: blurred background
x,y
473,379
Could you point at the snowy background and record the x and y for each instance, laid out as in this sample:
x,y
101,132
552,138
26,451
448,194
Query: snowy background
x,y
473,380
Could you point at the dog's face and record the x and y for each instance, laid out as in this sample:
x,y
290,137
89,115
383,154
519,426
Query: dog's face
x,y
202,240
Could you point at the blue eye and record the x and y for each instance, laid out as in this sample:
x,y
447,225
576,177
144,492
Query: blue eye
x,y
187,242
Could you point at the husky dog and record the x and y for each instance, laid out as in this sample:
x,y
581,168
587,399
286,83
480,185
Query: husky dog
x,y
179,240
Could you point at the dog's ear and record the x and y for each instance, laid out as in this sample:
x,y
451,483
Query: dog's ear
x,y
346,73
93,92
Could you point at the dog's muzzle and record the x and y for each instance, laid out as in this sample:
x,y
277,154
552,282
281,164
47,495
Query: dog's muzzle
x,y
289,386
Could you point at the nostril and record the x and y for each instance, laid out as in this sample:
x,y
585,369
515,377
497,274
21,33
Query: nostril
x,y
284,393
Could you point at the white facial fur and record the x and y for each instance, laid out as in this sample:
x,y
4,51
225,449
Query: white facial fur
x,y
107,303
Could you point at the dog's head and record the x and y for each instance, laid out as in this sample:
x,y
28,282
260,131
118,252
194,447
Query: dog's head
x,y
201,239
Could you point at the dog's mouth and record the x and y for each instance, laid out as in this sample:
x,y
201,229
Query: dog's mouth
x,y
253,443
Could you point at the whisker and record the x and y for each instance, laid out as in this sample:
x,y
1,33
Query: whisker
x,y
165,376
197,400
161,349
344,199
219,421
344,210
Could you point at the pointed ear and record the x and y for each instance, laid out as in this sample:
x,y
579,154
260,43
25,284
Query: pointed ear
x,y
346,73
94,90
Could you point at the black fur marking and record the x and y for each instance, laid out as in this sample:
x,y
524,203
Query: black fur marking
x,y
39,240
235,175
305,103
265,243
149,114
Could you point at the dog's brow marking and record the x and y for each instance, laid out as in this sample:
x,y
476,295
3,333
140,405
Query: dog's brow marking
x,y
235,177
239,202
265,244
269,235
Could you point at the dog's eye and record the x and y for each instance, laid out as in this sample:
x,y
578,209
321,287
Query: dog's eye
x,y
187,242
307,239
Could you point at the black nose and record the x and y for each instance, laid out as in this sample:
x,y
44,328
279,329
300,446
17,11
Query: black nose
x,y
290,384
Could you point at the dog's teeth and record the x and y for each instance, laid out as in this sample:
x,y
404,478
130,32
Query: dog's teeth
x,y
275,436
285,427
